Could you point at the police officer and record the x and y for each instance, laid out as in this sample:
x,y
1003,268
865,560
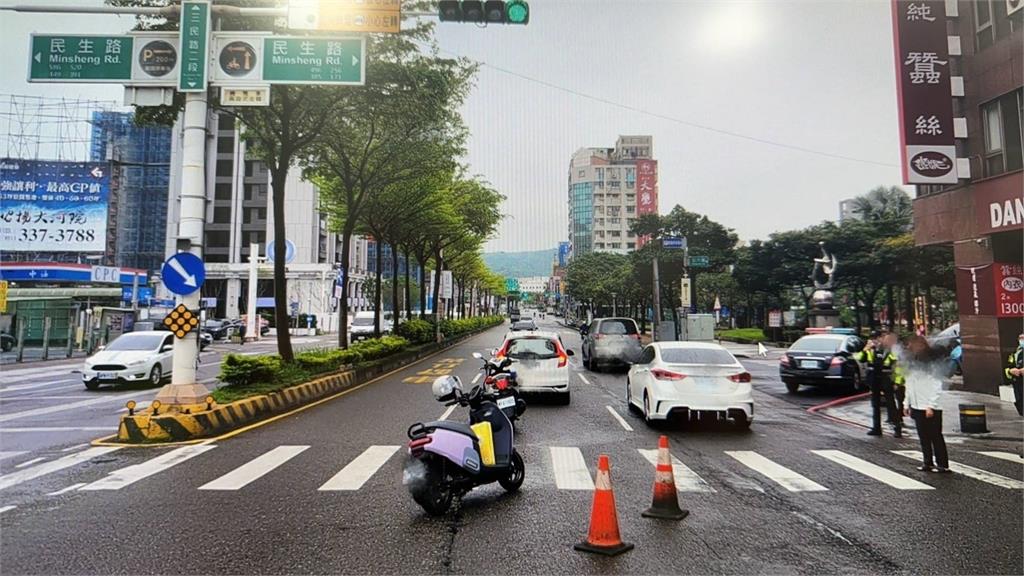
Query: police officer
x,y
878,356
1015,374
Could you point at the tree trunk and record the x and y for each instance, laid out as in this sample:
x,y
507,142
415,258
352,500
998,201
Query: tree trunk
x,y
437,286
284,340
408,290
908,306
890,307
346,250
394,289
421,258
376,289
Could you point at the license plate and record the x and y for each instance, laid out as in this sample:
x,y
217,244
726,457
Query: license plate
x,y
810,364
106,376
506,402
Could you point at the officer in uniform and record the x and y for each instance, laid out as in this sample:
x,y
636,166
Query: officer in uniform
x,y
878,356
1015,374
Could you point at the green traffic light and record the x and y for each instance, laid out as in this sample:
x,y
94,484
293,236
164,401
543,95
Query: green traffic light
x,y
517,12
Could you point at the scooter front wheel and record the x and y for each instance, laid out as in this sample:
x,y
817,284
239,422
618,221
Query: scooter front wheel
x,y
428,486
516,474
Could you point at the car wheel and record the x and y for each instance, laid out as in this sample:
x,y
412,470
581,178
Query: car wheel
x,y
742,422
156,375
647,409
586,361
92,384
629,399
792,387
858,382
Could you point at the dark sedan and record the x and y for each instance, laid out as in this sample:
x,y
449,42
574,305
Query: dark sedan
x,y
218,329
823,360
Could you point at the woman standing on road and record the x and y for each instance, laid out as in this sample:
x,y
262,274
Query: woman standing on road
x,y
923,390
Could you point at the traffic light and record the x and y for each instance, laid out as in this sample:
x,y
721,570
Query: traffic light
x,y
491,11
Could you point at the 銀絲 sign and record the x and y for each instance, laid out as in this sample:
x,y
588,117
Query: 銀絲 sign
x,y
53,206
80,58
924,91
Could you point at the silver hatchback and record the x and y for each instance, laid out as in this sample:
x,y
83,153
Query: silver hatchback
x,y
608,341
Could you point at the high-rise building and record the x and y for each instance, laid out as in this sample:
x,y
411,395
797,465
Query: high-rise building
x,y
606,195
139,159
239,213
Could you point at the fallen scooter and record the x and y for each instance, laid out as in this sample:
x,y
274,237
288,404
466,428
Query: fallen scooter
x,y
448,459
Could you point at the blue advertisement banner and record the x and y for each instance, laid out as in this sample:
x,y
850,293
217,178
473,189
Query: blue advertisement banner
x,y
563,254
53,206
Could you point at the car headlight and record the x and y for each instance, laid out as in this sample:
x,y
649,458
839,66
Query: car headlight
x,y
137,363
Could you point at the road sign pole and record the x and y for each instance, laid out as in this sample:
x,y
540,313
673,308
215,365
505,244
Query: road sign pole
x,y
184,389
252,328
656,299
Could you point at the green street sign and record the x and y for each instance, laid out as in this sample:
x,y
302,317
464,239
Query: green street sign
x,y
80,58
305,60
700,261
195,34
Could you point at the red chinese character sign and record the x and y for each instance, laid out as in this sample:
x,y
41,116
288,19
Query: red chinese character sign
x,y
646,191
927,143
1009,281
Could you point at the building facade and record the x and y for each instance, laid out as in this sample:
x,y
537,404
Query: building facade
x,y
533,284
982,216
240,214
603,193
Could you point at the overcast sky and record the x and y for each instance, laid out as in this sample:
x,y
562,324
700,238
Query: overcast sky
x,y
816,75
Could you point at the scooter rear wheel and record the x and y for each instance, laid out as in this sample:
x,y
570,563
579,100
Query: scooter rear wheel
x,y
433,493
516,475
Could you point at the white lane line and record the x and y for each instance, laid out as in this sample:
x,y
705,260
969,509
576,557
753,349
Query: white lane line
x,y
68,397
686,479
59,429
54,384
30,462
476,378
618,417
129,475
8,480
777,473
64,407
571,472
6,508
358,471
12,453
71,488
584,378
448,412
75,447
254,469
970,471
871,470
1008,456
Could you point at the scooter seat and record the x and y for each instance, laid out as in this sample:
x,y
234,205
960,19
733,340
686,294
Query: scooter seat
x,y
453,426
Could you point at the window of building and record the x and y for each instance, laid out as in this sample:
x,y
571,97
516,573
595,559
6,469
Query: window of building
x,y
615,234
222,191
582,173
614,184
225,145
630,209
262,213
598,245
629,234
992,23
217,238
258,238
224,168
1003,133
222,215
615,220
631,245
226,122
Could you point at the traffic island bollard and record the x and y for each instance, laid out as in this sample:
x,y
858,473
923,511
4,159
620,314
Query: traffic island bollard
x,y
972,419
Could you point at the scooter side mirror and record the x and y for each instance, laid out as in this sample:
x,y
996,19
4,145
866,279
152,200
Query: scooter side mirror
x,y
478,355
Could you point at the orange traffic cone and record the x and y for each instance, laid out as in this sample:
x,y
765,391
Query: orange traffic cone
x,y
603,537
666,502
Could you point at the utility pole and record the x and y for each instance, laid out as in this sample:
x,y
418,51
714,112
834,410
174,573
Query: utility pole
x,y
252,328
656,300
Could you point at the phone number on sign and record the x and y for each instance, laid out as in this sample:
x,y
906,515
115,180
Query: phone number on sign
x,y
60,235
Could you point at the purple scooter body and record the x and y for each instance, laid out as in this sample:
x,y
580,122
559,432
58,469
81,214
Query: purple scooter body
x,y
455,447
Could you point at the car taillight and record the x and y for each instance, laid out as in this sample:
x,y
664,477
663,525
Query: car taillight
x,y
662,374
784,360
741,377
837,361
563,358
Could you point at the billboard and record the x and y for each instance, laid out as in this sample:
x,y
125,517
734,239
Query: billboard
x,y
646,192
1009,285
563,254
923,89
53,206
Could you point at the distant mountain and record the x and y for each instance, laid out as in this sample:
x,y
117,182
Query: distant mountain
x,y
521,264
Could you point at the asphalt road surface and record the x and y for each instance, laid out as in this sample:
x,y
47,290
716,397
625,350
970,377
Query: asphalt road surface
x,y
320,491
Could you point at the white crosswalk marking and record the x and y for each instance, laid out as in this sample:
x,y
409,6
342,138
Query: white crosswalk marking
x,y
970,471
30,462
1008,456
686,479
252,470
358,471
6,508
71,488
11,453
126,476
8,480
873,470
571,472
777,473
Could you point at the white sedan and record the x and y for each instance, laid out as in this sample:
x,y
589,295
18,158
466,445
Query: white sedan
x,y
131,357
686,379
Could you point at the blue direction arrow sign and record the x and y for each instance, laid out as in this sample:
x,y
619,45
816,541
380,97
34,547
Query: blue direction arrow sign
x,y
183,273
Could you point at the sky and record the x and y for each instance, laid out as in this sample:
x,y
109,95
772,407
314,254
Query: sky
x,y
764,114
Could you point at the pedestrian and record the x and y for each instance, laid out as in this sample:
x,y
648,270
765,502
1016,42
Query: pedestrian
x,y
880,360
924,389
241,332
1015,374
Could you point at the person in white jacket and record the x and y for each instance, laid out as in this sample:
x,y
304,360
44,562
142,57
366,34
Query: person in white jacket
x,y
922,403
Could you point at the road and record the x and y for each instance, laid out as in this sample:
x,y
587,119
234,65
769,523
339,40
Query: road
x,y
44,405
320,492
